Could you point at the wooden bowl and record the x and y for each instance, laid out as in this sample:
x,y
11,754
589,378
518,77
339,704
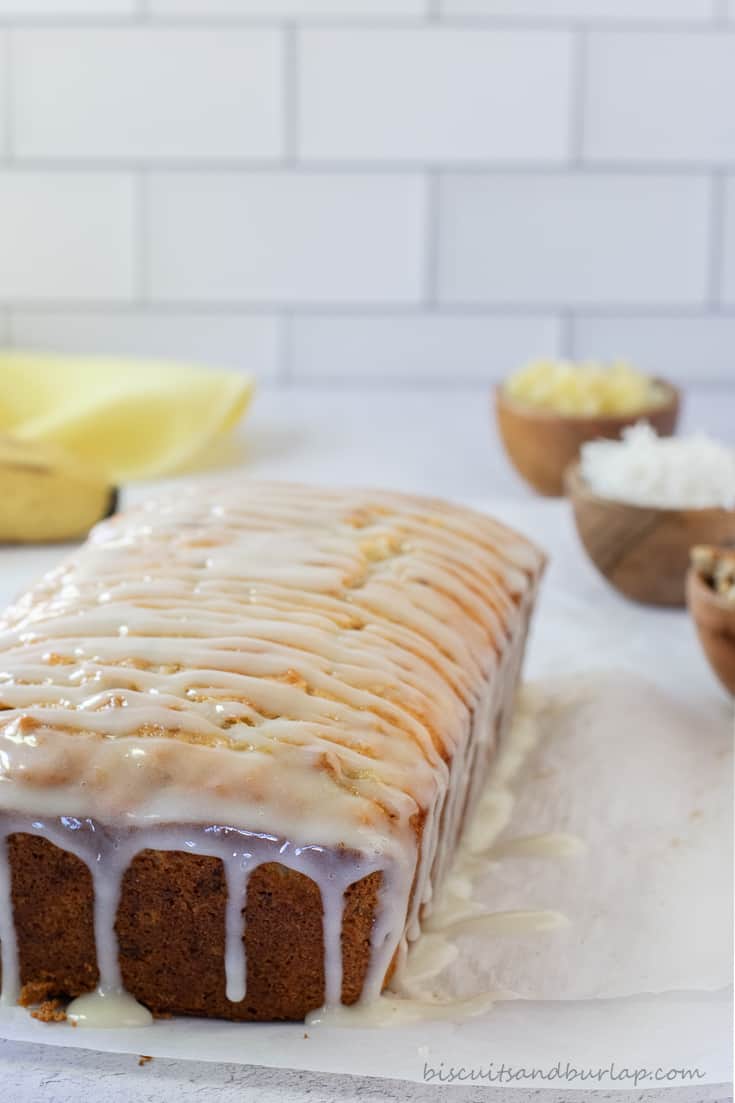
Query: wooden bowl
x,y
714,618
542,444
643,551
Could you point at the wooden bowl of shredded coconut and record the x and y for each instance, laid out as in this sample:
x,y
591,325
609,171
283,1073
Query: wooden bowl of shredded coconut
x,y
640,504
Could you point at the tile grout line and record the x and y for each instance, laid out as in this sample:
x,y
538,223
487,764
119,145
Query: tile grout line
x,y
578,103
141,184
8,92
431,240
284,351
715,274
654,312
377,167
720,13
566,334
290,77
376,383
381,22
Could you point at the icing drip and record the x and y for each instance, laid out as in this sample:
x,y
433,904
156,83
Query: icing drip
x,y
8,943
332,903
107,854
105,1009
510,922
429,955
237,873
393,1010
551,844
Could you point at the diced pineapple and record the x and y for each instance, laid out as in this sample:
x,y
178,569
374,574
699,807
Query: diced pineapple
x,y
584,389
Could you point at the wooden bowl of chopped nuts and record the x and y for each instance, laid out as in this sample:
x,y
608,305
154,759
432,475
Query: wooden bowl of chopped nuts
x,y
711,602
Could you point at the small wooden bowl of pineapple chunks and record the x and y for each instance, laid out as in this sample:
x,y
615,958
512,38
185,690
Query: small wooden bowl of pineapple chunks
x,y
549,409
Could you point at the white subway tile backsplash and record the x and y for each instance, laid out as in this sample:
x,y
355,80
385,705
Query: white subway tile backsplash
x,y
682,349
221,340
660,97
378,190
152,93
100,9
295,9
728,259
454,348
573,238
66,236
444,94
588,10
287,237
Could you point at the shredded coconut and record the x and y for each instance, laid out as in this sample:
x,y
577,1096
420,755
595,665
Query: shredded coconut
x,y
693,472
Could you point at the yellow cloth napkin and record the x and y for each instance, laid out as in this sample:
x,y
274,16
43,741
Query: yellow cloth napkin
x,y
130,419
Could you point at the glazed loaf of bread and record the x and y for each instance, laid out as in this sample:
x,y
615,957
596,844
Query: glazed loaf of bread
x,y
241,730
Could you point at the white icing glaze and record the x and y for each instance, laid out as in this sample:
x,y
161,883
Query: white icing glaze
x,y
237,873
103,1009
551,844
509,922
8,942
457,911
389,1010
315,669
428,955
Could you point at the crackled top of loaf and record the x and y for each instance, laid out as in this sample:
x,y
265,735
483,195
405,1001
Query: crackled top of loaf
x,y
271,656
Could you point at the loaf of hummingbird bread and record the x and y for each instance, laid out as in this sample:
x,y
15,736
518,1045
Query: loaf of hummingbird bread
x,y
241,730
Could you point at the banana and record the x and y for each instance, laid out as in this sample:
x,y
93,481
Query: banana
x,y
47,495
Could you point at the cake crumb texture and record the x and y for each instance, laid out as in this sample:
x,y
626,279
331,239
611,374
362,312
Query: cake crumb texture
x,y
171,932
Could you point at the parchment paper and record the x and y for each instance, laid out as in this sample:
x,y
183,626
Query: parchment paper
x,y
634,759
649,901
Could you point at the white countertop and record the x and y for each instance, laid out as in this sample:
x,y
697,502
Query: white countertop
x,y
437,441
